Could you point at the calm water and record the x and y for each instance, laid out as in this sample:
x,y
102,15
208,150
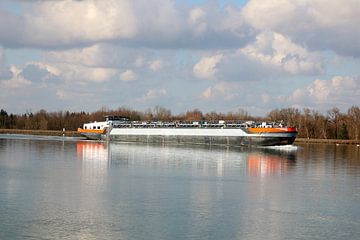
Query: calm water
x,y
54,189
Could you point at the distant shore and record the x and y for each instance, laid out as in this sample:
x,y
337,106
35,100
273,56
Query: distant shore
x,y
41,132
76,134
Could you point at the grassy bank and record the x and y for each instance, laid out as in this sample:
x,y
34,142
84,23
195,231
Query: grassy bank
x,y
327,141
40,132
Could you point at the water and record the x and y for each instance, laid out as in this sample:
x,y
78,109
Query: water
x,y
54,189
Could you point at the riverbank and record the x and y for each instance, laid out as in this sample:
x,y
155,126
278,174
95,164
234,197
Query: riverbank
x,y
41,132
327,141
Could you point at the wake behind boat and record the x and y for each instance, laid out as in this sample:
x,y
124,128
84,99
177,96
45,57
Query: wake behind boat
x,y
229,133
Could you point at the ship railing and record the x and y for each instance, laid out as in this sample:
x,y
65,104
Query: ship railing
x,y
200,124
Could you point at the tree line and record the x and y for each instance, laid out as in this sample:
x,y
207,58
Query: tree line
x,y
310,123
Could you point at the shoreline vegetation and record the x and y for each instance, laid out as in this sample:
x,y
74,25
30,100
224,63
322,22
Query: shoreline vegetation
x,y
313,126
58,133
54,133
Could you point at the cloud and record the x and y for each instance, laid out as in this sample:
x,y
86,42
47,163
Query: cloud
x,y
107,55
80,73
67,95
87,56
318,24
222,90
207,94
52,23
156,65
17,80
38,72
139,61
155,52
341,91
275,49
128,75
206,67
144,23
334,90
11,28
272,54
152,94
197,18
99,55
45,66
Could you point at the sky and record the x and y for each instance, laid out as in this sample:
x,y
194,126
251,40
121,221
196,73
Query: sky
x,y
256,55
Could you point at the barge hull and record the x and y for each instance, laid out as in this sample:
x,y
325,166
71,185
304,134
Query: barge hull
x,y
208,140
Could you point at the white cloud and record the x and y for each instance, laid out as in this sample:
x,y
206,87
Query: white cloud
x,y
272,54
222,90
268,14
197,19
207,94
107,56
336,89
67,95
139,61
319,90
206,67
88,56
45,66
196,14
100,74
50,23
156,65
98,55
128,75
152,94
77,73
270,45
17,80
145,23
341,91
318,24
277,50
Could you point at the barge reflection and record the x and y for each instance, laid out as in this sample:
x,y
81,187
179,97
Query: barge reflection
x,y
215,161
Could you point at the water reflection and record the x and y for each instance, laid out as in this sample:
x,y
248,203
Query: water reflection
x,y
209,160
95,161
330,158
263,165
92,152
95,190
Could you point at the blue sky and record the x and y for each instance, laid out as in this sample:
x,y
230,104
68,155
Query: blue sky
x,y
255,55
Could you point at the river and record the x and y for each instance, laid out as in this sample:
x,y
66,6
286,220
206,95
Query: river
x,y
63,188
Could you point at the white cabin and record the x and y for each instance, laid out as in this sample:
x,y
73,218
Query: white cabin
x,y
96,125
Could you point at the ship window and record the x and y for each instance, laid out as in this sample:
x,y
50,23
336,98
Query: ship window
x,y
94,127
98,127
85,127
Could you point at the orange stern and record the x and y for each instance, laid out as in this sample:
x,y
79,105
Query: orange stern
x,y
98,131
273,130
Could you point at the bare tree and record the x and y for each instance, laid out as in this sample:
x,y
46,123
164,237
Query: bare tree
x,y
161,113
194,115
354,121
334,118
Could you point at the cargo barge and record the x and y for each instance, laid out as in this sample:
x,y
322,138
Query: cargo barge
x,y
228,133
